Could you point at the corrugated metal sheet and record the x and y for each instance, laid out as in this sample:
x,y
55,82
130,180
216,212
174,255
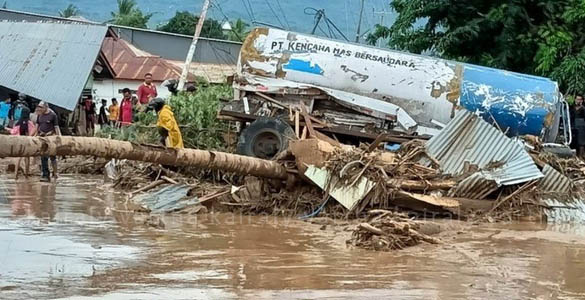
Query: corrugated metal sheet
x,y
572,211
49,61
131,63
167,199
468,138
554,181
477,186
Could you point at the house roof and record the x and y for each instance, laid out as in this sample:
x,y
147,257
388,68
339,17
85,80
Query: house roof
x,y
131,63
213,73
49,61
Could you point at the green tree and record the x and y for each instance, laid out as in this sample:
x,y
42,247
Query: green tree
x,y
70,11
239,31
130,15
184,23
542,37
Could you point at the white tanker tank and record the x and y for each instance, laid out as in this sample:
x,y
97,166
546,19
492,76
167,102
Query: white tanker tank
x,y
421,93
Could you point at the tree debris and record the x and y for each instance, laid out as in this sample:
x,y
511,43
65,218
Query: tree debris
x,y
386,230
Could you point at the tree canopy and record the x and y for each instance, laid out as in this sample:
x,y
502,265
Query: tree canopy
x,y
130,15
70,11
541,37
239,31
184,23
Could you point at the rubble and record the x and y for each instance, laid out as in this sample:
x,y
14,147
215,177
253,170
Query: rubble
x,y
470,170
387,230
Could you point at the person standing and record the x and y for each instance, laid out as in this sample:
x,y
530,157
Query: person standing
x,y
5,107
577,114
126,108
147,90
103,119
24,127
47,125
90,111
170,134
114,111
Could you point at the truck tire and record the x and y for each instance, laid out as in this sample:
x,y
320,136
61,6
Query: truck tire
x,y
265,138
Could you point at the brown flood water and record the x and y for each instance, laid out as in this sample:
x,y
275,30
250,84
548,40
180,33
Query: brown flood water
x,y
64,242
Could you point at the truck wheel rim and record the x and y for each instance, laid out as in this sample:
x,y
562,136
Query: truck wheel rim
x,y
266,145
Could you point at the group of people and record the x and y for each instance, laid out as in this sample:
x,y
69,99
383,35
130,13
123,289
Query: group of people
x,y
16,115
42,122
119,114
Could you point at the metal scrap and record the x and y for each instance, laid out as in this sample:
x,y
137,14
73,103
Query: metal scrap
x,y
469,139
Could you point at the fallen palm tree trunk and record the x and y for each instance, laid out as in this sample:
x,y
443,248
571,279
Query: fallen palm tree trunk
x,y
23,146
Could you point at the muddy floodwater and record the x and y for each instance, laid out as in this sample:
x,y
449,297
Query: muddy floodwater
x,y
73,240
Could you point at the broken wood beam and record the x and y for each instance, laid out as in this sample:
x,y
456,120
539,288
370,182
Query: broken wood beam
x,y
420,185
24,146
371,228
147,187
376,142
169,180
297,125
272,100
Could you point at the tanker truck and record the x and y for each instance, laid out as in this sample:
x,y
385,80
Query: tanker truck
x,y
356,92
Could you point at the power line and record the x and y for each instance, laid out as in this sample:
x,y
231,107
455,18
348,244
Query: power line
x,y
218,6
248,10
283,14
274,13
251,10
320,14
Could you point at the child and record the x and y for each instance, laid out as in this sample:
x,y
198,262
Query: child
x,y
103,116
114,110
23,127
5,107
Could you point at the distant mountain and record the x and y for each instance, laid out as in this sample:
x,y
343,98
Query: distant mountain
x,y
343,13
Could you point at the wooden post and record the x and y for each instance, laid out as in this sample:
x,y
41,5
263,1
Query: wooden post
x,y
193,46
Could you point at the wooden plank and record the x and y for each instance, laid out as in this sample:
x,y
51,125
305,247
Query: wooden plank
x,y
147,187
272,100
169,180
213,196
376,142
304,134
327,139
297,126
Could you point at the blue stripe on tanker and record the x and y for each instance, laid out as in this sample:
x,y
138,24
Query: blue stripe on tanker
x,y
519,103
303,66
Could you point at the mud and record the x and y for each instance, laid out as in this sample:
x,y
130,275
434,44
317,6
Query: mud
x,y
74,240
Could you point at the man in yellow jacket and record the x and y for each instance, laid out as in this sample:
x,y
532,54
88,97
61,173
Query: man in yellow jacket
x,y
167,125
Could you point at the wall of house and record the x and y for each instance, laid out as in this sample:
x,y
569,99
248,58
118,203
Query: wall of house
x,y
108,89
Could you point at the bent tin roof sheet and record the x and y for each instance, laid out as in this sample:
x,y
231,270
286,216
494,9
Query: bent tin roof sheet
x,y
49,61
468,138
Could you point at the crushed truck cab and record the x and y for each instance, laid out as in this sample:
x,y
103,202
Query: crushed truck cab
x,y
362,91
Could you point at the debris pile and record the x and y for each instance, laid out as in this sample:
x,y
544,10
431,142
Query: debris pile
x,y
387,230
470,169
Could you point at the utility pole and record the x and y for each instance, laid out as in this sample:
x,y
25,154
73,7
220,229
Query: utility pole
x,y
318,17
193,46
357,35
382,13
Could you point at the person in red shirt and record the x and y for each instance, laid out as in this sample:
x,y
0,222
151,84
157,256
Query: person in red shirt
x,y
126,108
147,90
